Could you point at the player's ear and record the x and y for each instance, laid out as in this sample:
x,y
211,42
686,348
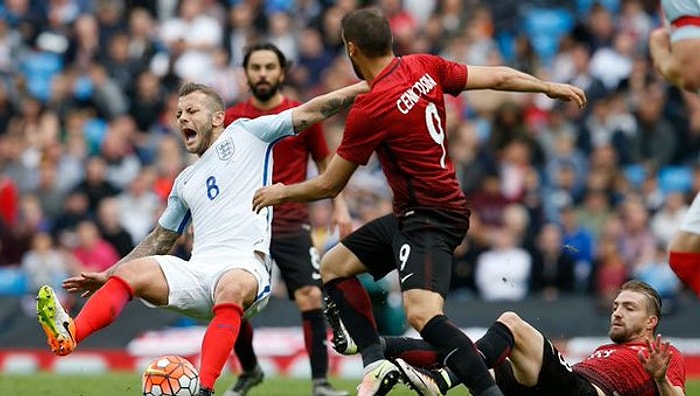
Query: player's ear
x,y
351,48
652,322
217,119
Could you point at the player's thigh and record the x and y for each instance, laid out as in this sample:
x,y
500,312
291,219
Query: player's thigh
x,y
244,281
527,353
368,249
298,260
236,286
508,384
146,279
557,378
687,239
685,48
187,291
193,284
423,257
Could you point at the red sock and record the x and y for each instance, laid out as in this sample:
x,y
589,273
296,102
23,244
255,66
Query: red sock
x,y
687,267
103,307
218,342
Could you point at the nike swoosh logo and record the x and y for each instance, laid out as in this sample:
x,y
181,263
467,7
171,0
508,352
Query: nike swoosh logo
x,y
406,277
154,371
66,326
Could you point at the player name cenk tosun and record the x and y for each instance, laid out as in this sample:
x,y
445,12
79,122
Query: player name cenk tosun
x,y
409,98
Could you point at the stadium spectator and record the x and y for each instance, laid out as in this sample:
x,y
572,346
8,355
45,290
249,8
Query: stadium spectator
x,y
108,222
552,272
502,273
93,252
664,223
191,38
44,264
139,206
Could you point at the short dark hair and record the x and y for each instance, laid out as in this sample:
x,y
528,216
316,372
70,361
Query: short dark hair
x,y
215,101
369,29
653,297
284,64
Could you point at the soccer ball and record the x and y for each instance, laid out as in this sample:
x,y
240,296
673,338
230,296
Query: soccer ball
x,y
170,376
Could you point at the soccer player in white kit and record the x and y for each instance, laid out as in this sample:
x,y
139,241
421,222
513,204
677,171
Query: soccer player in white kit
x,y
675,50
228,274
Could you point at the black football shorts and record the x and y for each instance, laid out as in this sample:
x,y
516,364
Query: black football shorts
x,y
298,260
420,245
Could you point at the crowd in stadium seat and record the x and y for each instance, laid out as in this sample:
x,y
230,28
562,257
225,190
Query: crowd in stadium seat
x,y
563,200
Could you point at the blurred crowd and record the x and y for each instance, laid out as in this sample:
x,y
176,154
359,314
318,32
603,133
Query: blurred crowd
x,y
563,200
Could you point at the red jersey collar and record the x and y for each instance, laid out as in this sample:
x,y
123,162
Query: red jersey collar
x,y
387,70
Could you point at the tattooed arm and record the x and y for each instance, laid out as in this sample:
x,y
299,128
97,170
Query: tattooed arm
x,y
158,242
325,106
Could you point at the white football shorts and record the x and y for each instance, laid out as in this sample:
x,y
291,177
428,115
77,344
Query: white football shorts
x,y
691,220
192,283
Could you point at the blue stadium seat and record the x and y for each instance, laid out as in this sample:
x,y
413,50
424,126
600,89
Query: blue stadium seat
x,y
506,44
635,175
584,6
675,179
13,282
545,27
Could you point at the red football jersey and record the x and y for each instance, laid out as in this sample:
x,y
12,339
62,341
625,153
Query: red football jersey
x,y
616,369
402,118
291,157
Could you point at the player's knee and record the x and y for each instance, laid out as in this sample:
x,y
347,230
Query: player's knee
x,y
691,79
331,266
308,297
238,286
419,315
138,273
511,320
232,293
684,241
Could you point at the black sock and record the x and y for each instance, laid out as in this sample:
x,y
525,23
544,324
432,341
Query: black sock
x,y
496,344
244,347
445,384
314,325
355,309
414,351
461,354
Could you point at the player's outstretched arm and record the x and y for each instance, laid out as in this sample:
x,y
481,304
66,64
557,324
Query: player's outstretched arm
x,y
159,241
325,106
326,185
679,62
340,217
503,78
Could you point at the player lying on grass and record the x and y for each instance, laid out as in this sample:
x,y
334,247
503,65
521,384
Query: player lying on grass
x,y
526,363
228,275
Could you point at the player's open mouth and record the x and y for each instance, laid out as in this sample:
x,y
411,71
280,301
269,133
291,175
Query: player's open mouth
x,y
189,134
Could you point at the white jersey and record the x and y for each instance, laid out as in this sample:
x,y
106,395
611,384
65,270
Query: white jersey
x,y
216,192
683,16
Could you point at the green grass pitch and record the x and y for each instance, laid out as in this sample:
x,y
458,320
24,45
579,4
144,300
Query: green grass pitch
x,y
114,384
